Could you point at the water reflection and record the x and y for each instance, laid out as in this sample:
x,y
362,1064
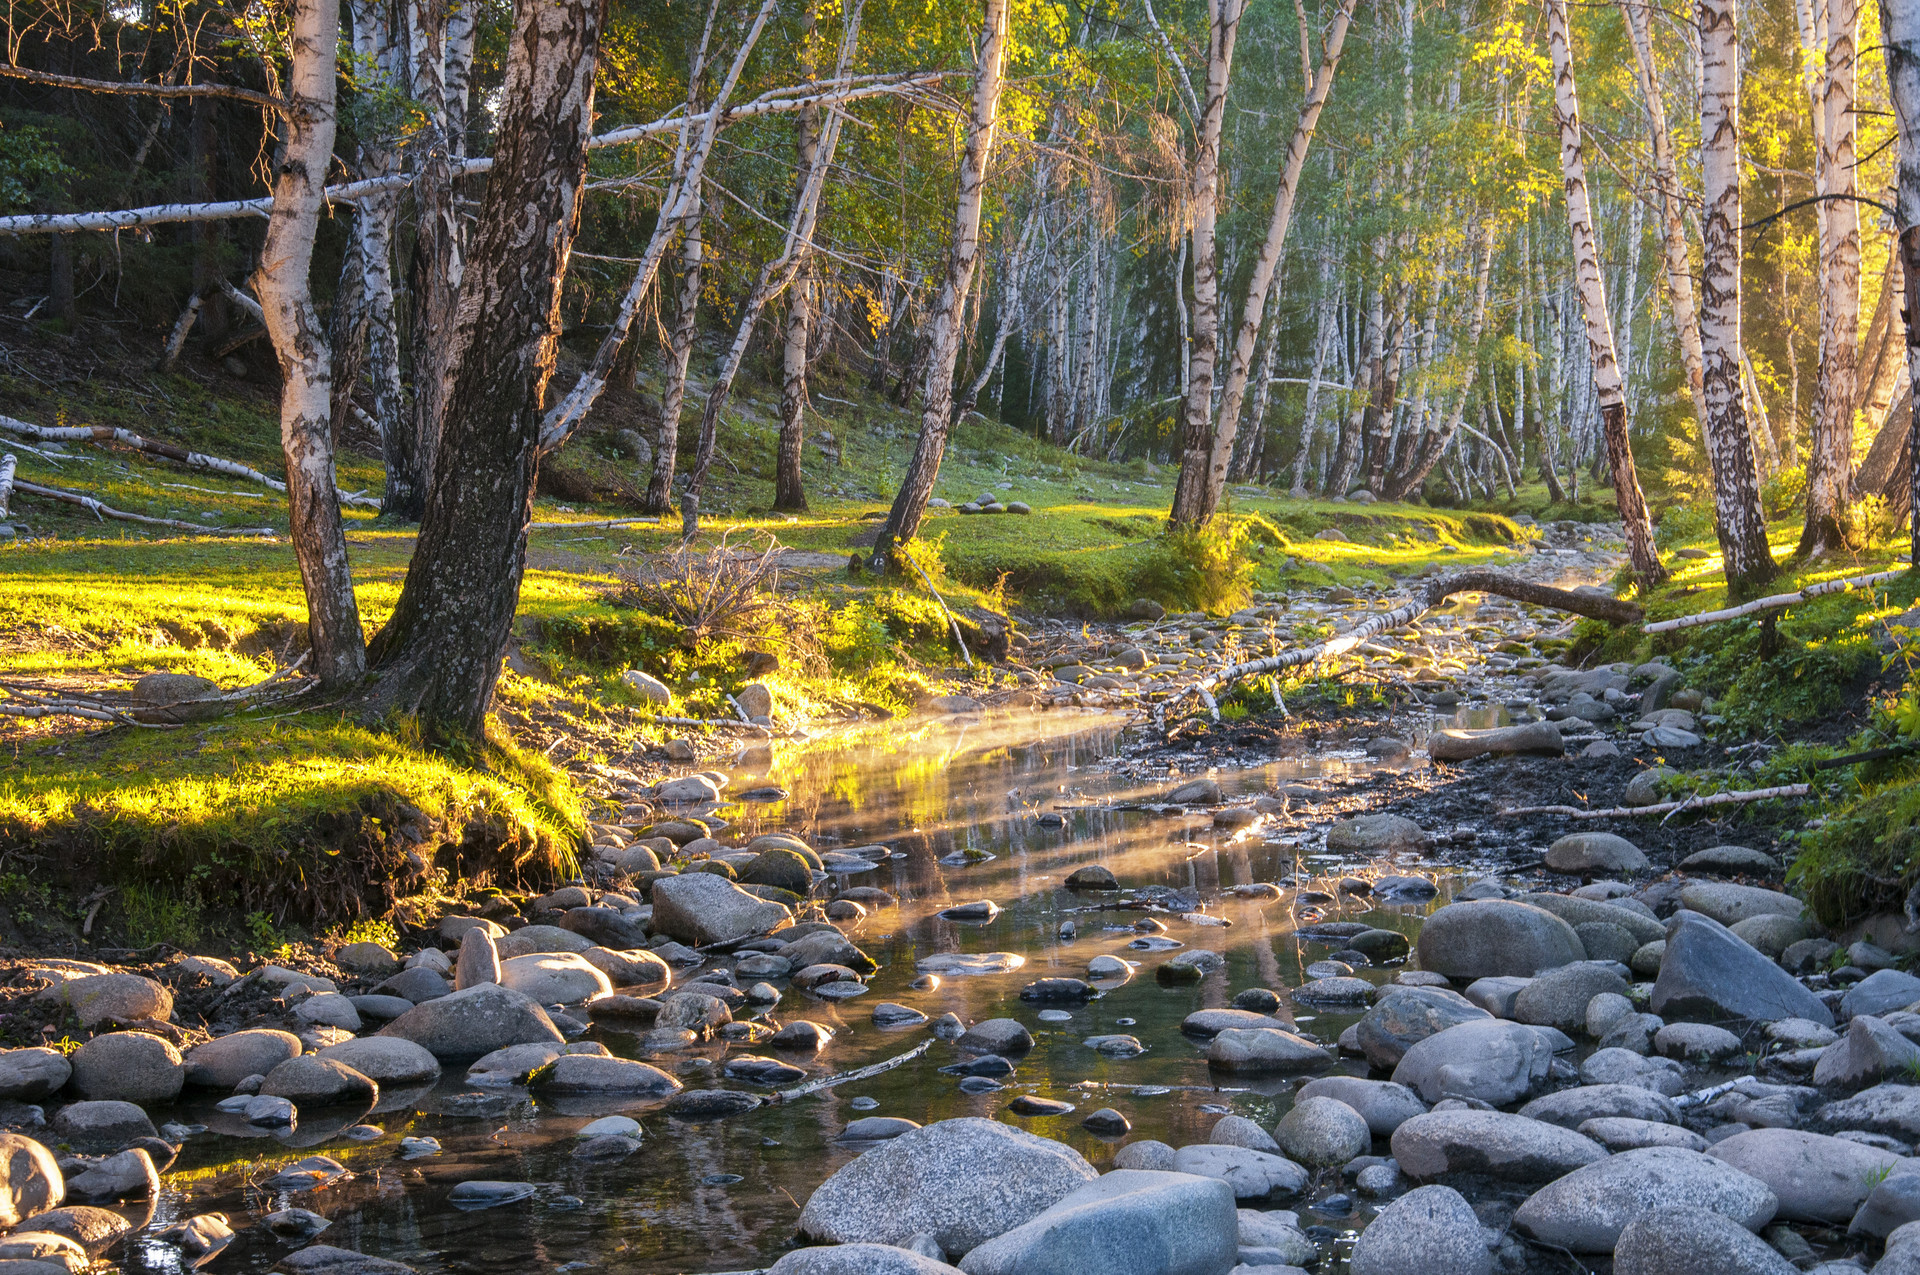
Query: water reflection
x,y
1024,801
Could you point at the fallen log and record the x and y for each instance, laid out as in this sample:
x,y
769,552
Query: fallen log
x,y
166,451
1665,807
99,509
859,1073
1596,605
7,463
1773,602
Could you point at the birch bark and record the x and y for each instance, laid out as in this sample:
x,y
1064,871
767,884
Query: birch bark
x,y
1830,455
1900,41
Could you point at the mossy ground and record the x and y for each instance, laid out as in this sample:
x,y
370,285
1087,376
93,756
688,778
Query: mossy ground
x,y
210,832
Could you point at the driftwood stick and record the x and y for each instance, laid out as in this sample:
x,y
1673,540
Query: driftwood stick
x,y
1772,603
951,622
7,463
102,510
859,1073
177,339
1665,807
166,451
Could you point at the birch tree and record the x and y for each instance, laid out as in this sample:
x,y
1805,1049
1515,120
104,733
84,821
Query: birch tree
x,y
440,653
943,324
1607,383
284,286
1738,519
1900,42
1830,457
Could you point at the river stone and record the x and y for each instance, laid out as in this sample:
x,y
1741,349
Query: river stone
x,y
554,978
1323,1132
1616,1066
1253,1175
1773,932
1731,861
93,1229
1605,941
115,998
479,960
1265,1049
1646,959
1577,911
1008,1037
1384,1105
30,1074
1605,1011
324,1259
1494,1143
591,1074
1865,1055
1238,1131
1696,1040
1431,1230
466,1024
859,1259
1275,1233
1691,1242
827,947
1814,1177
312,1079
1092,876
1496,995
1728,903
1586,1210
1881,991
1207,1023
33,1181
637,967
964,1181
129,1175
1403,1016
1127,1222
1623,1133
781,868
1890,1205
1644,788
386,1060
1376,834
417,984
1587,853
1709,972
104,1123
1570,1108
1335,991
1461,745
1145,1154
1559,997
1496,1062
129,1067
1495,937
702,909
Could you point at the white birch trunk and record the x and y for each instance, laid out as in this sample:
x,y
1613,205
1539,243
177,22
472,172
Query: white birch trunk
x,y
1830,457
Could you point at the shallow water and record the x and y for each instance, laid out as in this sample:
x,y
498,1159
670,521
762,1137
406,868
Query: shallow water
x,y
726,1196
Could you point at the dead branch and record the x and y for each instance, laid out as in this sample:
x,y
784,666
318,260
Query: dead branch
x,y
1665,807
1772,603
858,1073
1595,605
7,463
102,510
230,91
167,451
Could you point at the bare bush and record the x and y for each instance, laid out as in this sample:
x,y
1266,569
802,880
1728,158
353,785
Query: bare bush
x,y
720,591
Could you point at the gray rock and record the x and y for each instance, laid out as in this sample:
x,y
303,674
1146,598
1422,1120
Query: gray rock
x,y
1508,1147
1376,834
129,1067
1403,1016
1207,1023
1127,1222
1622,1133
637,967
30,1074
1238,1131
478,1020
1605,941
317,1081
324,1259
33,1183
1558,997
1634,1033
1727,903
589,1074
418,984
1276,1232
114,998
1496,995
479,960
105,1123
1495,937
1774,932
1145,1154
1577,911
1587,853
1891,1204
1707,971
1644,788
1323,1132
1605,1011
1869,1052
1432,1230
964,1180
1731,861
1880,992
1461,745
1007,1037
1696,1040
701,908
1571,1108
1815,1178
130,1175
1496,1062
1586,1210
1265,1049
1626,1067
1253,1175
1685,1241
1384,1105
859,1259
554,978
1888,1108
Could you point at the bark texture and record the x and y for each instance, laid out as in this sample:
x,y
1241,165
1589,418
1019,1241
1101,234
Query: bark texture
x,y
440,654
1830,458
1900,41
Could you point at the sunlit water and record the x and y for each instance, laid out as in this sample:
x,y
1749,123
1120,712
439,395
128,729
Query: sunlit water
x,y
726,1196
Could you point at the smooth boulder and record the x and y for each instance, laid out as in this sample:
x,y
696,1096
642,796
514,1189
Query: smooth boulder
x,y
1694,1242
1494,1143
1429,1231
467,1024
1127,1222
1491,937
1492,1061
1586,1210
1708,971
1816,1178
1463,745
701,908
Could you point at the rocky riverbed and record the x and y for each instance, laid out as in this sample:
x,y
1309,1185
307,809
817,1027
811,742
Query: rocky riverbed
x,y
1026,992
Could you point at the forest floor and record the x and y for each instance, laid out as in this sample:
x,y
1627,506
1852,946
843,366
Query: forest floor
x,y
182,823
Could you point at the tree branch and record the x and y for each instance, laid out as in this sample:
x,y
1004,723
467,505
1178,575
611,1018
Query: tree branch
x,y
233,92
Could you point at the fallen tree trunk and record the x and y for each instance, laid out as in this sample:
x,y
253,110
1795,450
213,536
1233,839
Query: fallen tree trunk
x,y
1771,603
167,451
1664,807
1597,606
101,510
7,463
